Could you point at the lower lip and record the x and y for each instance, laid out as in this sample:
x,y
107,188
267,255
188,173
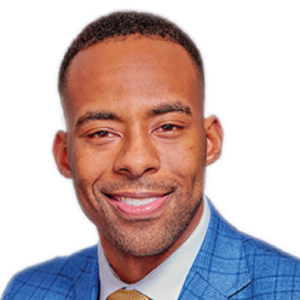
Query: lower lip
x,y
139,212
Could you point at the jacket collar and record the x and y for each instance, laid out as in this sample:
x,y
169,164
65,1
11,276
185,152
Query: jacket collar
x,y
86,283
220,269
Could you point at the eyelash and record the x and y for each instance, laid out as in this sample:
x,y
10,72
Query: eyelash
x,y
166,128
101,133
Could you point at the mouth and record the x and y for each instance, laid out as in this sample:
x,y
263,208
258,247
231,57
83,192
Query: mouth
x,y
139,205
135,201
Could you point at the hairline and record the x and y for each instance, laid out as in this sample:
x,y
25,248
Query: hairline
x,y
63,83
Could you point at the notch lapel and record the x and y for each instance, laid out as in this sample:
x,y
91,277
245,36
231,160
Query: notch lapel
x,y
220,269
87,284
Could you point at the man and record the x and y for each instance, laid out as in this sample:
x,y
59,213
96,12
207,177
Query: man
x,y
136,148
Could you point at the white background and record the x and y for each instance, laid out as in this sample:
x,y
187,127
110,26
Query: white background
x,y
251,51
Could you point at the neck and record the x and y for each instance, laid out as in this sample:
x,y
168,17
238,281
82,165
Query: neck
x,y
132,269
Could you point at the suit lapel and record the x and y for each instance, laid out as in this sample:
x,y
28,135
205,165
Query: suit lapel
x,y
87,282
197,288
220,268
219,271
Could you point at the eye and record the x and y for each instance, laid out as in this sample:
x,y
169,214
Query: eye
x,y
101,134
168,128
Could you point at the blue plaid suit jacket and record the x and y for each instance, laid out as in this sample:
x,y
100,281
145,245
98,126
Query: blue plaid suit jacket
x,y
229,265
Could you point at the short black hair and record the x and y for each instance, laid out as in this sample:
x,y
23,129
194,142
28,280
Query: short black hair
x,y
122,24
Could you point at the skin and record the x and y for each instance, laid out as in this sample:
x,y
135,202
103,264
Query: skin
x,y
135,128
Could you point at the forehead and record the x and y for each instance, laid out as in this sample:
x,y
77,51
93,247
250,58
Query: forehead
x,y
136,68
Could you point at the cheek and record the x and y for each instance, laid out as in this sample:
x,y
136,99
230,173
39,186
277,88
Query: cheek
x,y
90,164
87,167
185,159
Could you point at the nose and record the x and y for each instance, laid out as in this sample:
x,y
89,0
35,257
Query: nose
x,y
137,157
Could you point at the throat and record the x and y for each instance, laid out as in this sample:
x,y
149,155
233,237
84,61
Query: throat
x,y
129,268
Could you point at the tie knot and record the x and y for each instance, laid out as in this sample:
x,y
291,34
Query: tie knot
x,y
123,294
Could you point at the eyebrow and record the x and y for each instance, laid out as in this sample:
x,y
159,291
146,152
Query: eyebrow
x,y
97,115
107,115
169,107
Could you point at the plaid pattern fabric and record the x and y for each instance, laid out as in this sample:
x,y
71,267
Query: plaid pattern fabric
x,y
229,265
73,277
232,265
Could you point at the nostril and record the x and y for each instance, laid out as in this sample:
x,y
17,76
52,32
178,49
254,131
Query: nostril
x,y
136,159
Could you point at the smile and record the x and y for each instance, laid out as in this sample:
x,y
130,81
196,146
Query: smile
x,y
136,202
139,206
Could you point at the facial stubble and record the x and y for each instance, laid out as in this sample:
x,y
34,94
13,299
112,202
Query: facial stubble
x,y
144,237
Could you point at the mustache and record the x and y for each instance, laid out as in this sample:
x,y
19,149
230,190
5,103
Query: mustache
x,y
108,187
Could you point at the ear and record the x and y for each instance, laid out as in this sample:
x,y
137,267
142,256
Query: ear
x,y
214,139
59,151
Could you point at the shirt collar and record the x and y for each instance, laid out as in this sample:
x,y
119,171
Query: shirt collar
x,y
166,280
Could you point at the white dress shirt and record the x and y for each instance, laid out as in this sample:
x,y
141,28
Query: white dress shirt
x,y
166,280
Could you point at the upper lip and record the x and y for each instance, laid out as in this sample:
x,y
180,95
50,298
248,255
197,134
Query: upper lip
x,y
137,194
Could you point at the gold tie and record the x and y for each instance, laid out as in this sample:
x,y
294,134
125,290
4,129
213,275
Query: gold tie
x,y
127,295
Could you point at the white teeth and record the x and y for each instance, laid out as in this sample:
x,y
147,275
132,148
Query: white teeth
x,y
136,202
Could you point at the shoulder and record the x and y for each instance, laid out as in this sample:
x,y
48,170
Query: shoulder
x,y
273,272
259,254
55,278
266,260
270,271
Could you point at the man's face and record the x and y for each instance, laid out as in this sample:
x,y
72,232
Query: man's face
x,y
136,142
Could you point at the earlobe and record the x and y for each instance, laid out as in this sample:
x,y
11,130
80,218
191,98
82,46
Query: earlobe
x,y
59,151
214,138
